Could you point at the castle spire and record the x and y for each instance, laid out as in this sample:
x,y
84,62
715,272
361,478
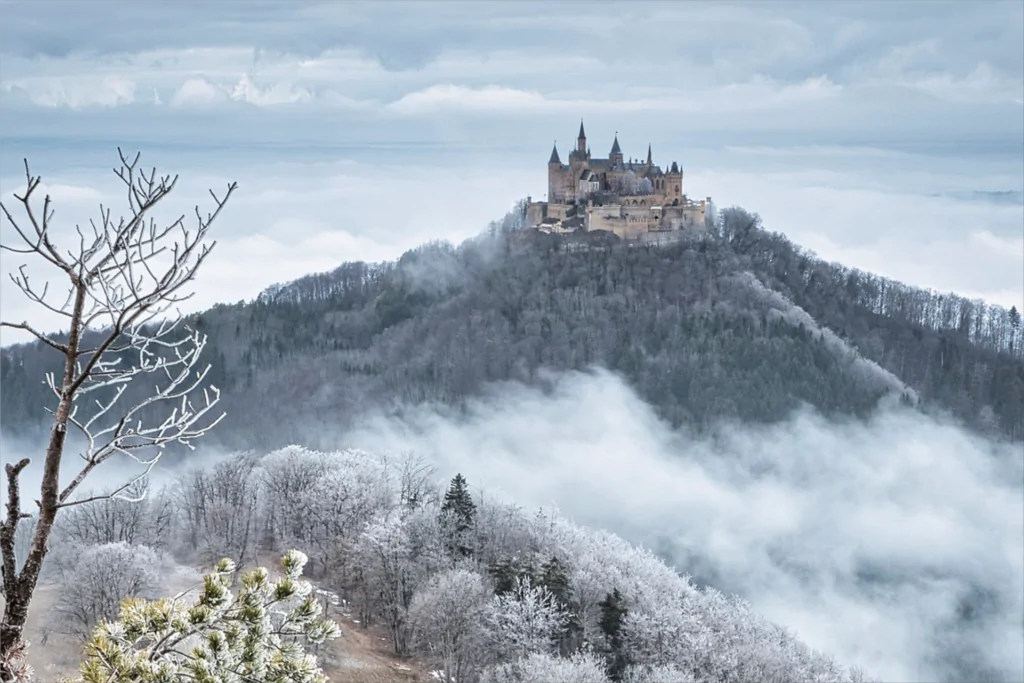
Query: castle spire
x,y
649,162
582,135
554,154
581,141
615,145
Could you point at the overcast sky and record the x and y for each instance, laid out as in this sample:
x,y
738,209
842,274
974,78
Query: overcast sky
x,y
888,136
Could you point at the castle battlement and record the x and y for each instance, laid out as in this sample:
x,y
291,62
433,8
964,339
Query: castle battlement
x,y
627,198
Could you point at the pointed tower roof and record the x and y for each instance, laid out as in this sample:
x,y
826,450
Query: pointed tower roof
x,y
615,145
582,135
649,162
554,155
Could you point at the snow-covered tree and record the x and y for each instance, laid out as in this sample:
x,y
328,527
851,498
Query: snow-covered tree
x,y
447,615
384,551
91,589
256,636
582,667
524,621
145,518
666,673
220,507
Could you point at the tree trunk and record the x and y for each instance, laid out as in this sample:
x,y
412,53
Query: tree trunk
x,y
17,600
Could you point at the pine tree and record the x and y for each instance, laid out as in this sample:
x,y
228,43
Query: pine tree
x,y
458,504
457,514
613,614
257,634
555,577
508,572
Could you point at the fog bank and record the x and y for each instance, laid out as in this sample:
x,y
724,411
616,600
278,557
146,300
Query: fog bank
x,y
895,544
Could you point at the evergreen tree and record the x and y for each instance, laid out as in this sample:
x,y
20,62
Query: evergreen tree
x,y
555,577
457,514
613,614
507,572
258,634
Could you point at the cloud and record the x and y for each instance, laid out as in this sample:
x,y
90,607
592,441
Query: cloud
x,y
865,538
197,91
79,93
758,93
454,97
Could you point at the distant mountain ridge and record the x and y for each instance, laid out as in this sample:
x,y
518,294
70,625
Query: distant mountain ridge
x,y
735,324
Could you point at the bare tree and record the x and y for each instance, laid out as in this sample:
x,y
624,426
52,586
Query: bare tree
x,y
125,278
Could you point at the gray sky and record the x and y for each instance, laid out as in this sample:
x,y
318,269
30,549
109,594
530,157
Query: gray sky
x,y
888,136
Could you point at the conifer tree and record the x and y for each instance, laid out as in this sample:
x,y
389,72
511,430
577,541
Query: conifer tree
x,y
554,576
255,636
457,515
613,614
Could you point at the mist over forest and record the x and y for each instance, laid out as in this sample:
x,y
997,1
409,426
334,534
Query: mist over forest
x,y
839,450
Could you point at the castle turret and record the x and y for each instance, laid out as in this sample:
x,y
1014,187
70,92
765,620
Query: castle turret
x,y
554,175
581,141
615,156
554,155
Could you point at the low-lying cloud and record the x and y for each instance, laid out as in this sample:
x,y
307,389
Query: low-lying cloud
x,y
896,544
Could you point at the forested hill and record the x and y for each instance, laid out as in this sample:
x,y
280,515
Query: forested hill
x,y
739,324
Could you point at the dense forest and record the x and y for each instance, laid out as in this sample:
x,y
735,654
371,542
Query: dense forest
x,y
738,323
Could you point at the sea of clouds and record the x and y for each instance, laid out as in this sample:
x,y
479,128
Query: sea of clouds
x,y
896,544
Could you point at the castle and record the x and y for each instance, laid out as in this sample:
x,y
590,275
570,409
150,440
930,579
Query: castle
x,y
632,199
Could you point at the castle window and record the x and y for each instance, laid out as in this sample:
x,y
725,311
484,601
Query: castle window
x,y
677,188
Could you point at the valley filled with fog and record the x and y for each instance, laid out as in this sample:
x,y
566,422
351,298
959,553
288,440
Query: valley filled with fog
x,y
896,544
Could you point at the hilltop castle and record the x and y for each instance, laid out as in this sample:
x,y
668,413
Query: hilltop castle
x,y
629,198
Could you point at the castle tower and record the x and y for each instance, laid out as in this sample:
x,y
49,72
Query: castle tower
x,y
581,141
674,183
615,156
554,174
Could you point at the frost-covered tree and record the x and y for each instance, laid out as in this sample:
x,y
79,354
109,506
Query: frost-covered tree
x,y
523,621
385,553
667,673
583,667
254,636
91,590
123,279
220,507
142,519
448,618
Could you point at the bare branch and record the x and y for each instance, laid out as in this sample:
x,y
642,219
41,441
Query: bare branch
x,y
37,334
126,275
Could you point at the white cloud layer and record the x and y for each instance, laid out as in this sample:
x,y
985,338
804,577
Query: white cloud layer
x,y
864,538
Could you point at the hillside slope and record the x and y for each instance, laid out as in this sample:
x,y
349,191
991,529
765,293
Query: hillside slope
x,y
740,324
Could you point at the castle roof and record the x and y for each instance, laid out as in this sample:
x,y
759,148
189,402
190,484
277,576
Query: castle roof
x,y
554,155
582,135
615,146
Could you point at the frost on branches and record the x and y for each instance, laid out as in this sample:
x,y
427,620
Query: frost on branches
x,y
256,636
